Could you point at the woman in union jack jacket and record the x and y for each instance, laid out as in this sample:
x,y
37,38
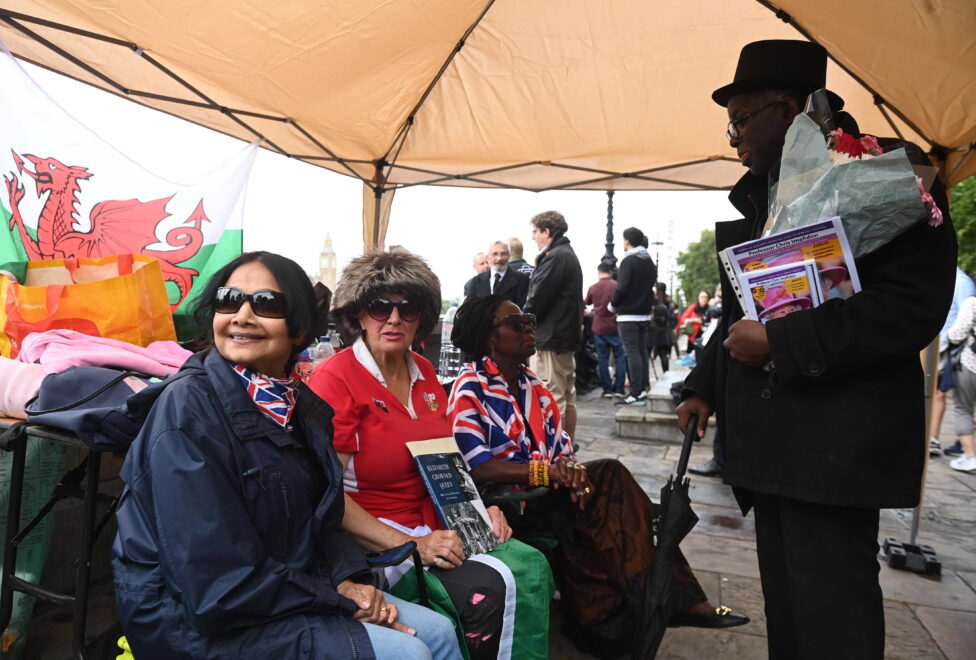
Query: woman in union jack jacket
x,y
509,431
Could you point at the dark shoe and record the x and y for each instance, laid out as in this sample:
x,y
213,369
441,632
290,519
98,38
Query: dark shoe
x,y
710,469
720,617
954,450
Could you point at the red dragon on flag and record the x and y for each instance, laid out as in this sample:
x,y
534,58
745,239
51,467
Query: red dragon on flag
x,y
116,226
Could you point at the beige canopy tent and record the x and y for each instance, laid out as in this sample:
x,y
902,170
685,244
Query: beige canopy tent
x,y
530,94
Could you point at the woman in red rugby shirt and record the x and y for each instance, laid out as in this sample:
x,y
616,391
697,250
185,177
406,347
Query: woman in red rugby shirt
x,y
384,396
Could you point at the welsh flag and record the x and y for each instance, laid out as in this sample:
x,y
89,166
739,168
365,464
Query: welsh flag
x,y
68,193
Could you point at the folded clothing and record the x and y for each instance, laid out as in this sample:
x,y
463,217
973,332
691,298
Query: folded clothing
x,y
19,384
56,350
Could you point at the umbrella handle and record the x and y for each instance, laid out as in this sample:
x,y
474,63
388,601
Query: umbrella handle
x,y
691,436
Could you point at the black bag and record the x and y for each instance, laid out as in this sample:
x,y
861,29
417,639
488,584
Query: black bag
x,y
659,316
104,407
954,352
954,356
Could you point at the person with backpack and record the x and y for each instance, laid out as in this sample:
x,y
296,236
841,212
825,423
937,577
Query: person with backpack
x,y
964,401
662,328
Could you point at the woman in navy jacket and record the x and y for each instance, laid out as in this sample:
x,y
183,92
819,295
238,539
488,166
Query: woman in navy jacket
x,y
230,542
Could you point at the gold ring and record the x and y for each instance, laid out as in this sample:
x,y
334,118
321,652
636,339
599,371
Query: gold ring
x,y
587,490
384,609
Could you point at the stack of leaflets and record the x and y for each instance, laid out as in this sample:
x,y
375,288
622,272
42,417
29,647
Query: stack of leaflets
x,y
791,271
455,496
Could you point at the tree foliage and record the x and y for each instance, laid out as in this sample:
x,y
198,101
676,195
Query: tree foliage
x,y
699,266
962,208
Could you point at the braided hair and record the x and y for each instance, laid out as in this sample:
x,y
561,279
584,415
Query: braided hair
x,y
473,324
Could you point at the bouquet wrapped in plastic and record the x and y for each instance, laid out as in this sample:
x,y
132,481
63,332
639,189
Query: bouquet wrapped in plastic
x,y
825,173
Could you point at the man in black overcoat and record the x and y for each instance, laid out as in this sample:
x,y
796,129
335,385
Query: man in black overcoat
x,y
821,412
500,279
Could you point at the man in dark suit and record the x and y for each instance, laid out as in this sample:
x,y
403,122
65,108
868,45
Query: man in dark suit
x,y
500,279
821,413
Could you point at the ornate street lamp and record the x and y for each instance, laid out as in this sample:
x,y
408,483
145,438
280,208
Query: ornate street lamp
x,y
608,257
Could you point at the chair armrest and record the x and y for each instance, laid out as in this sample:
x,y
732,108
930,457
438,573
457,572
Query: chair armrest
x,y
514,496
391,557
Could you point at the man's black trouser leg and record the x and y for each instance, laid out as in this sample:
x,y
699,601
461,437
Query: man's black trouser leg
x,y
633,334
819,569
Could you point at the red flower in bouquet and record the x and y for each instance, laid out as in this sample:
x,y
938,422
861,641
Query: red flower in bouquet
x,y
852,147
844,143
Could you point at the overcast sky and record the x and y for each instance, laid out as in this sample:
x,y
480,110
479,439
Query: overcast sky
x,y
291,206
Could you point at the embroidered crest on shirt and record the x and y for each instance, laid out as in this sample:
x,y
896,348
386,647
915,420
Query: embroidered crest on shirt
x,y
381,405
431,400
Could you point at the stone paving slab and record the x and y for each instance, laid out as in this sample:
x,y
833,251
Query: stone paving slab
x,y
954,632
905,636
728,556
724,521
699,643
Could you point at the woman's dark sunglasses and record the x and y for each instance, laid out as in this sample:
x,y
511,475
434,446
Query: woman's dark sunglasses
x,y
380,309
518,322
266,303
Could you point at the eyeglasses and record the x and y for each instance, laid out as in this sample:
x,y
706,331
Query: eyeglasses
x,y
380,309
518,322
733,130
266,303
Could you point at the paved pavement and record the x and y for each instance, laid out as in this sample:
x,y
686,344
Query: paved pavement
x,y
925,617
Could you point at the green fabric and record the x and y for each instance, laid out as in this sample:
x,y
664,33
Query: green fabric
x,y
438,600
533,593
42,470
535,587
13,256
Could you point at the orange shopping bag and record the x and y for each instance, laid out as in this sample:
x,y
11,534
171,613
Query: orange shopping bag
x,y
122,297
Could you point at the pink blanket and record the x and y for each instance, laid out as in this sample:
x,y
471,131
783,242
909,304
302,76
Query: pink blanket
x,y
18,385
56,350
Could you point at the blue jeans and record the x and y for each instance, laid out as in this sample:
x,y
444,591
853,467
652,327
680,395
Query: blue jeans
x,y
604,344
435,635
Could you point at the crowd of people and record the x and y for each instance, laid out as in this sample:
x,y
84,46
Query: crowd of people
x,y
265,516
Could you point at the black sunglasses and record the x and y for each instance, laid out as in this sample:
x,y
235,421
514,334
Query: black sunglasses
x,y
518,322
380,309
266,303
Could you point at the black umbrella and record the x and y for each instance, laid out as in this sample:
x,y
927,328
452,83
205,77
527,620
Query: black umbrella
x,y
672,523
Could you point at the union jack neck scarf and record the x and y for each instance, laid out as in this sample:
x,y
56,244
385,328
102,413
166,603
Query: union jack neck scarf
x,y
275,397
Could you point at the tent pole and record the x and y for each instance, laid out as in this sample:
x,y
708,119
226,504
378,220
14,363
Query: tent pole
x,y
378,195
961,160
608,257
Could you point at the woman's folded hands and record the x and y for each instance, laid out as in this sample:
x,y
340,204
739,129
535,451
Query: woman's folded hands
x,y
373,607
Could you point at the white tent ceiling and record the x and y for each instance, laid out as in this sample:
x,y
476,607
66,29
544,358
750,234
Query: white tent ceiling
x,y
532,94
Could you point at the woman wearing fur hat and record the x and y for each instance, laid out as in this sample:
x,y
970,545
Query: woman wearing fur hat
x,y
384,396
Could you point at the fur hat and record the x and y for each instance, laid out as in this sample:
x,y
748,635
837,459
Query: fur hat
x,y
377,272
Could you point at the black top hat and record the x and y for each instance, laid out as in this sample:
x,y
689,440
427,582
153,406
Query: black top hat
x,y
797,66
